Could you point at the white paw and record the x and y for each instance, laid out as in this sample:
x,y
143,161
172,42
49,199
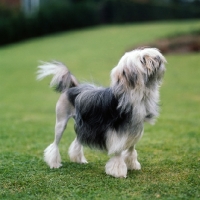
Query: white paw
x,y
131,161
76,152
116,167
134,165
55,165
78,159
52,156
84,161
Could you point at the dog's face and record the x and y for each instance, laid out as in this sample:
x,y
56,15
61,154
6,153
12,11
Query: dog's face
x,y
140,67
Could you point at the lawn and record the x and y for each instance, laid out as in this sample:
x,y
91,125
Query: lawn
x,y
169,151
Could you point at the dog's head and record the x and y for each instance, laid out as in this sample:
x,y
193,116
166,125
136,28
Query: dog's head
x,y
138,68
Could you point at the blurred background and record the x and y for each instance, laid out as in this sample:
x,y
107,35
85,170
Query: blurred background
x,y
23,19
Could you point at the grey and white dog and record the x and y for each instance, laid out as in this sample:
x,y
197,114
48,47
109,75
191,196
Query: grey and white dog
x,y
110,118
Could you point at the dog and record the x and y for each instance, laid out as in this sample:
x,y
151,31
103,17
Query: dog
x,y
110,119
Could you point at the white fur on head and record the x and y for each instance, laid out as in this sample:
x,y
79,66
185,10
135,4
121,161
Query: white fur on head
x,y
134,64
136,80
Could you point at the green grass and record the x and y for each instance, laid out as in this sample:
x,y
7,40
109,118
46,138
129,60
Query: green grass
x,y
169,152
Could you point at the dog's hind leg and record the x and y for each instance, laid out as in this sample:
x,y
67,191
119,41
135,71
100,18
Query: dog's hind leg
x,y
76,152
64,110
130,158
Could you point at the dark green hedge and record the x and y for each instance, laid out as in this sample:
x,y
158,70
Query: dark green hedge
x,y
53,17
63,15
128,11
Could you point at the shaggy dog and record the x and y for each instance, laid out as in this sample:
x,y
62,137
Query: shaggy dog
x,y
112,118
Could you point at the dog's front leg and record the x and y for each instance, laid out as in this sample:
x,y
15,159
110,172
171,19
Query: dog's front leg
x,y
64,111
116,166
130,158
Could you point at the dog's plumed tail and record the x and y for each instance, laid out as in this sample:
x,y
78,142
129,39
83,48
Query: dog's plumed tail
x,y
62,78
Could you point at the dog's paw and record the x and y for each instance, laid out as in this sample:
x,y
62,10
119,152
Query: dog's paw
x,y
131,161
84,161
135,165
80,158
116,167
80,161
76,152
55,165
52,156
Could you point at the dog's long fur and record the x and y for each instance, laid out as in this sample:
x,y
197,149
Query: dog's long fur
x,y
110,118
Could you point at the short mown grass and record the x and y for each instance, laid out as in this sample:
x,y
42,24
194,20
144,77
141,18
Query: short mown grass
x,y
169,152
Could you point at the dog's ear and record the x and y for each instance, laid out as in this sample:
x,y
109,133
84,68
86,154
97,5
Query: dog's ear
x,y
130,77
125,78
150,64
154,67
